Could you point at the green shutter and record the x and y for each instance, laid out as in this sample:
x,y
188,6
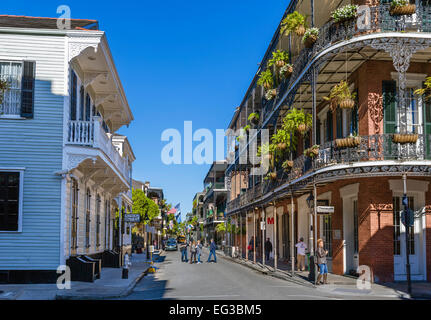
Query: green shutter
x,y
27,90
339,122
389,91
329,122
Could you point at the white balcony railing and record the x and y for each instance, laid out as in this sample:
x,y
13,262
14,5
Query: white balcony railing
x,y
91,133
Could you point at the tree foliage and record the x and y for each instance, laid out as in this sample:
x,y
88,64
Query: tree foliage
x,y
144,206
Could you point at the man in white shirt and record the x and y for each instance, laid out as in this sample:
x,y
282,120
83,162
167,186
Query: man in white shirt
x,y
301,247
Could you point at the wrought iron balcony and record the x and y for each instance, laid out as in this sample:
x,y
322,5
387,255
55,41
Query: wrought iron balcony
x,y
371,149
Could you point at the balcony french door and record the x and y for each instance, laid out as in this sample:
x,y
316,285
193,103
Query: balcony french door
x,y
400,243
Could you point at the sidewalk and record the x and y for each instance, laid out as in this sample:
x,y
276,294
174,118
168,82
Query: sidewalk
x,y
110,285
338,284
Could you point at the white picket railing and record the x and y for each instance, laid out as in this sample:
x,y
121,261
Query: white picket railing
x,y
91,133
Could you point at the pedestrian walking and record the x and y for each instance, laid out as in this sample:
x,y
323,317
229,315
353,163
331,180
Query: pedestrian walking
x,y
321,262
301,247
213,248
251,248
199,251
268,249
183,249
193,250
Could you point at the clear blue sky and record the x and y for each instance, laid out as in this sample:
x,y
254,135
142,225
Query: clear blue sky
x,y
177,60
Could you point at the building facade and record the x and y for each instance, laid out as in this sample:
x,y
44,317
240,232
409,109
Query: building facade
x,y
384,58
64,171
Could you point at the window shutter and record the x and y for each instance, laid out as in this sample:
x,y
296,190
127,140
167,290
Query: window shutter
x,y
73,95
318,132
389,91
339,121
329,122
27,90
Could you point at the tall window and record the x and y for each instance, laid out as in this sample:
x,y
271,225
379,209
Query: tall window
x,y
81,103
9,201
98,201
87,218
107,224
12,73
73,95
87,107
327,233
74,217
397,226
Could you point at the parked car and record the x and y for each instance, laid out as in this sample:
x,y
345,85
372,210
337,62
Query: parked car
x,y
171,245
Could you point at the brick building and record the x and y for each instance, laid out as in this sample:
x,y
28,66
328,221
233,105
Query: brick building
x,y
361,159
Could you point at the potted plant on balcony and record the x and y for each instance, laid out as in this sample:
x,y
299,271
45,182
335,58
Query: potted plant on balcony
x,y
351,141
270,94
402,7
312,152
279,59
341,96
271,175
297,120
247,128
404,138
287,165
310,37
345,13
266,79
281,139
294,22
286,71
254,118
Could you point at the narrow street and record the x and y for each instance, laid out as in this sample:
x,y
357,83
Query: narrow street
x,y
224,280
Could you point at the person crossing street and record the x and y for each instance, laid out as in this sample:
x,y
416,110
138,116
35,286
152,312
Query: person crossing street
x,y
213,248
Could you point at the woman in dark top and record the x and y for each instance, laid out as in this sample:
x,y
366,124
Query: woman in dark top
x,y
321,261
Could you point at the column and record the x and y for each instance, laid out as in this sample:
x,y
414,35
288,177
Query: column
x,y
275,236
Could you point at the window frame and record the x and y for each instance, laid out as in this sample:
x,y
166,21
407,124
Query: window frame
x,y
14,116
20,171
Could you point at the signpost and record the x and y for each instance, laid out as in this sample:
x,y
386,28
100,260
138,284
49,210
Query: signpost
x,y
132,217
325,209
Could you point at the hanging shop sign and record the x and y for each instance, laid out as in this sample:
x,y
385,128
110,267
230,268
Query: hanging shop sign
x,y
325,209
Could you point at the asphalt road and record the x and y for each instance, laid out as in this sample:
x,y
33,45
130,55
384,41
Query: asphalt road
x,y
224,280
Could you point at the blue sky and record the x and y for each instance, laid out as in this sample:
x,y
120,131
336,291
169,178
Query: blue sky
x,y
178,61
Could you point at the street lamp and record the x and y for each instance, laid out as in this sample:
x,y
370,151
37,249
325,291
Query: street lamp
x,y
312,265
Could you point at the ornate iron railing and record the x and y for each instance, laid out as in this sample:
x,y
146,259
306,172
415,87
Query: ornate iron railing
x,y
371,148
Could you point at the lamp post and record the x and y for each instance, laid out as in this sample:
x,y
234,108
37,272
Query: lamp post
x,y
312,265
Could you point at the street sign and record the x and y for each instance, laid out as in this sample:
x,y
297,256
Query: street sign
x,y
132,217
325,209
408,219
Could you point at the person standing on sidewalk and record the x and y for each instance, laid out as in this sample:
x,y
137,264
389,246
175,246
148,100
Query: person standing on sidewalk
x,y
321,261
193,250
268,249
213,248
199,251
183,249
301,247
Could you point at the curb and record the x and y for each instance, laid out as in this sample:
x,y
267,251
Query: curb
x,y
124,293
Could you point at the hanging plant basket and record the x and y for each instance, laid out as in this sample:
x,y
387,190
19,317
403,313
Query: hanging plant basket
x,y
287,165
349,142
347,103
273,175
312,152
286,71
282,146
302,128
310,40
280,63
408,9
267,86
404,138
268,156
300,31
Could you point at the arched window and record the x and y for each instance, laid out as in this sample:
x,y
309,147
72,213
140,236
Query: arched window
x,y
74,216
87,218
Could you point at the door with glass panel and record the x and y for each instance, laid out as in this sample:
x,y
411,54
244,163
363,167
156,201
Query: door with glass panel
x,y
400,243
